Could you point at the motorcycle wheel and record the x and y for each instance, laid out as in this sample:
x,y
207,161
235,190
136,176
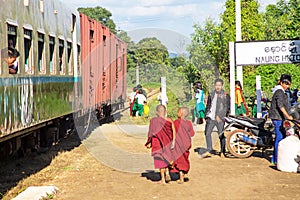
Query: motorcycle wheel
x,y
237,147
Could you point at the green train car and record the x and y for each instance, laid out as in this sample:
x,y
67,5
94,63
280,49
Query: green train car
x,y
47,82
56,80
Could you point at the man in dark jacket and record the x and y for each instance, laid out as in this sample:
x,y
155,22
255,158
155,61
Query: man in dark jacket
x,y
218,105
279,110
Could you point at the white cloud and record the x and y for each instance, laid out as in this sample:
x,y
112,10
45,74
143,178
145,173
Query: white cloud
x,y
155,2
172,14
170,11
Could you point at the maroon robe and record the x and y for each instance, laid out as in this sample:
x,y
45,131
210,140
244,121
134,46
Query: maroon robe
x,y
184,132
160,137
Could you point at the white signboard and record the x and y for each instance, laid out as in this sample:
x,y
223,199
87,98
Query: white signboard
x,y
267,52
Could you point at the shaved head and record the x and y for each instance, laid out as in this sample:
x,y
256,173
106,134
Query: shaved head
x,y
183,112
161,110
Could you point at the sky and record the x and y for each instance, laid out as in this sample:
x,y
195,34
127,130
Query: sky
x,y
175,15
136,16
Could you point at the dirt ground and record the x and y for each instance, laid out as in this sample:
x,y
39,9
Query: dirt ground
x,y
79,174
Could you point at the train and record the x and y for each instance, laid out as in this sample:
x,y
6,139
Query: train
x,y
69,66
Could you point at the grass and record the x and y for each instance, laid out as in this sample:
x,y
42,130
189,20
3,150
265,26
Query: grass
x,y
174,102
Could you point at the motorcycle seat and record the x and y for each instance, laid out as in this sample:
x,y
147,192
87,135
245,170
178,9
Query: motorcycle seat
x,y
255,121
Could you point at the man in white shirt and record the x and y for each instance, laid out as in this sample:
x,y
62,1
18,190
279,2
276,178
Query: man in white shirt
x,y
288,152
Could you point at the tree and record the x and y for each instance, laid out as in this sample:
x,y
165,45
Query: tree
x,y
282,20
101,15
151,51
252,26
177,62
131,62
209,50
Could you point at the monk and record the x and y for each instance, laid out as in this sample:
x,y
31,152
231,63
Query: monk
x,y
161,138
184,132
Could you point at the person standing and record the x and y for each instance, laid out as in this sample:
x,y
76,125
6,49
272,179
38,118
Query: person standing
x,y
139,104
240,105
217,107
159,98
279,111
200,105
161,139
132,98
184,133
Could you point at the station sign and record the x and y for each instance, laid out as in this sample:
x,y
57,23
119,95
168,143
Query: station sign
x,y
267,52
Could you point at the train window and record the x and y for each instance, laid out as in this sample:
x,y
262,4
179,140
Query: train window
x,y
41,66
104,40
11,43
92,35
11,36
73,22
52,55
69,57
78,59
28,51
61,56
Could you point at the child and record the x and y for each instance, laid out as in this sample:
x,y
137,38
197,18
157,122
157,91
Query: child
x,y
161,137
146,109
185,131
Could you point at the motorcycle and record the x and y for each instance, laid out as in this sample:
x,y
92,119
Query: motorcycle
x,y
251,134
254,133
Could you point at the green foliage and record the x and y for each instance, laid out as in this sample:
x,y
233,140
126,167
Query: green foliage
x,y
269,75
281,21
101,15
131,63
177,62
209,50
151,51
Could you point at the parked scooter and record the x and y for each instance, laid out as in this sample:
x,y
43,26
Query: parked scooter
x,y
252,133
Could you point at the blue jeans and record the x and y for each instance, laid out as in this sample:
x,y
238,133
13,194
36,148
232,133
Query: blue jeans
x,y
279,137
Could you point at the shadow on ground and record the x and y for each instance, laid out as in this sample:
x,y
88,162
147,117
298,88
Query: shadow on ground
x,y
15,169
155,176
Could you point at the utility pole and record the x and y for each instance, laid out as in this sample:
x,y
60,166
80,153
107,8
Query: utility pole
x,y
238,36
137,73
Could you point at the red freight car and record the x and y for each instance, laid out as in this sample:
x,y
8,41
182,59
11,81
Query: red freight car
x,y
103,66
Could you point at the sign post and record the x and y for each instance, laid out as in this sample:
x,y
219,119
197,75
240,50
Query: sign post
x,y
232,77
258,97
238,36
163,91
